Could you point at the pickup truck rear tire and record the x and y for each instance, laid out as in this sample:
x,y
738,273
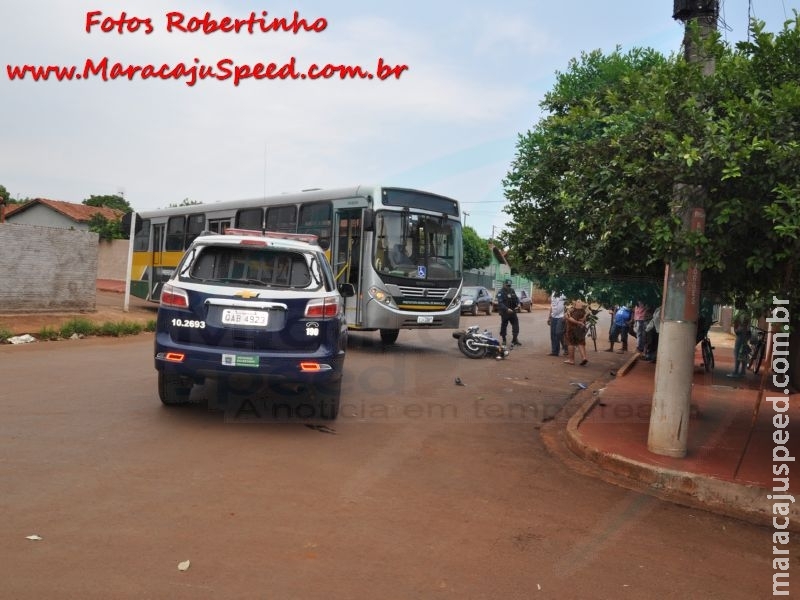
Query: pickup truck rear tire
x,y
173,389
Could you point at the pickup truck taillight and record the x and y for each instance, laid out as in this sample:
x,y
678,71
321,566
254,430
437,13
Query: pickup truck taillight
x,y
322,308
174,296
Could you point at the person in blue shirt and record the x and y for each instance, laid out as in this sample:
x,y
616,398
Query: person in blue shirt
x,y
619,328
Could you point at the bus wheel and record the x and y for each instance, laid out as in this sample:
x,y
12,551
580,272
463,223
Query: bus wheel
x,y
173,389
389,336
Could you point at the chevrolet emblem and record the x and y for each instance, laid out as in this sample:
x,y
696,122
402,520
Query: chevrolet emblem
x,y
246,294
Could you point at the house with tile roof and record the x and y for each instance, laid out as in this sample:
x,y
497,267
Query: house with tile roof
x,y
57,213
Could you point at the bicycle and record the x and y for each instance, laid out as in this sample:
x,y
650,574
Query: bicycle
x,y
756,348
591,327
707,350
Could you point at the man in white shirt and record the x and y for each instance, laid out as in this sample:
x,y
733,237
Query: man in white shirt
x,y
556,322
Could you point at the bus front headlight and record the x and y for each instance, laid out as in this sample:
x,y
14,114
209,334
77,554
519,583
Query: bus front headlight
x,y
382,296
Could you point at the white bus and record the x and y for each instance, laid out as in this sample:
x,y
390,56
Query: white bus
x,y
400,248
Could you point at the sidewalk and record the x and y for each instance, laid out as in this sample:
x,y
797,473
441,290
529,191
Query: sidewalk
x,y
728,466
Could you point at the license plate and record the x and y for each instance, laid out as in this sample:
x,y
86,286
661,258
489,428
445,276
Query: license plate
x,y
253,318
422,320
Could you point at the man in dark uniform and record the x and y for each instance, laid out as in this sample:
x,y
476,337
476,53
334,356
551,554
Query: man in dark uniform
x,y
507,303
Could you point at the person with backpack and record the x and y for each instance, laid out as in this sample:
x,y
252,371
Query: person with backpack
x,y
619,328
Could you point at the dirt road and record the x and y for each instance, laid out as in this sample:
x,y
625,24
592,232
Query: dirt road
x,y
421,489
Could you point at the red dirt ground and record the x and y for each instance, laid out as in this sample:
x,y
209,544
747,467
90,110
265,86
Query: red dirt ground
x,y
109,308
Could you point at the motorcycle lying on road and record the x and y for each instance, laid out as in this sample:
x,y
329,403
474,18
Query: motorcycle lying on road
x,y
476,344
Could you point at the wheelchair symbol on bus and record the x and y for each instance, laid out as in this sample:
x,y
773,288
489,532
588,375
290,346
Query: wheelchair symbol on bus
x,y
422,272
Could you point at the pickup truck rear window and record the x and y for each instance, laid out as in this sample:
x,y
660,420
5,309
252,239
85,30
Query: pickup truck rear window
x,y
250,266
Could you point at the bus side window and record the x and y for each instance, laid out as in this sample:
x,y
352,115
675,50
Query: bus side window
x,y
195,225
218,225
282,218
316,219
250,218
141,241
176,230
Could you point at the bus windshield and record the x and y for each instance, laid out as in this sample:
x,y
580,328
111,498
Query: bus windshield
x,y
417,246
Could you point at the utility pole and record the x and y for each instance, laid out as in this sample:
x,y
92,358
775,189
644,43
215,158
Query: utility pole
x,y
669,417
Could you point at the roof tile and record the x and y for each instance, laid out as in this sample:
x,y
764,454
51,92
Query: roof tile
x,y
79,213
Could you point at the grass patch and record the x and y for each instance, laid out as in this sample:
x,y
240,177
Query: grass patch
x,y
48,334
120,328
85,328
82,327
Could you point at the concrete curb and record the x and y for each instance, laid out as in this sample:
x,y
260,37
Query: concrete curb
x,y
563,439
628,365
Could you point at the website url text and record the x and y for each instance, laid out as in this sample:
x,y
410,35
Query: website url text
x,y
225,69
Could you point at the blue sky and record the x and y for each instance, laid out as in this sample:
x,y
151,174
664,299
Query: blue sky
x,y
476,74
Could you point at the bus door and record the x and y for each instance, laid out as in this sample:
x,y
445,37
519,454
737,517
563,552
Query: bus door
x,y
155,267
346,257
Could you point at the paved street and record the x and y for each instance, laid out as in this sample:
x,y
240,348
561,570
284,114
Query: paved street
x,y
421,489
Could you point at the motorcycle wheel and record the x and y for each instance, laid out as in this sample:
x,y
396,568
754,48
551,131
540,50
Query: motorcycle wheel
x,y
469,347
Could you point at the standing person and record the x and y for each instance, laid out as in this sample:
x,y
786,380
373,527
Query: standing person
x,y
639,319
612,337
741,328
621,323
576,331
507,303
556,323
651,336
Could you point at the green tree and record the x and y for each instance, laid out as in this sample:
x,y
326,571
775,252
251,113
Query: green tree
x,y
476,250
109,201
107,229
4,193
591,189
185,202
